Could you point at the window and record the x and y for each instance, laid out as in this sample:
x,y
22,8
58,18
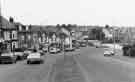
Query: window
x,y
14,35
20,27
29,37
27,28
22,37
7,35
23,27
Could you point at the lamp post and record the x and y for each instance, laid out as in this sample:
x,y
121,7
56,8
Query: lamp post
x,y
1,33
62,36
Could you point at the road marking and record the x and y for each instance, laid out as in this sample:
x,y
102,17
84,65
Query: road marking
x,y
85,74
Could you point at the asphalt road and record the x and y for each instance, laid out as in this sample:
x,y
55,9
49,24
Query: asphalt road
x,y
97,68
91,62
66,70
21,72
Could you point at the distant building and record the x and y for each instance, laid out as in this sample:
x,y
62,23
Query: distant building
x,y
107,33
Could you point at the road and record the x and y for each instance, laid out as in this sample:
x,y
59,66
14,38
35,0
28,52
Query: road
x,y
97,68
93,66
21,72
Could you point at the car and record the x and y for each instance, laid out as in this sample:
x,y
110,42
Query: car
x,y
41,52
28,51
19,53
54,50
109,53
8,57
34,57
45,49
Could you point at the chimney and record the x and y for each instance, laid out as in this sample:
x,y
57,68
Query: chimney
x,y
11,20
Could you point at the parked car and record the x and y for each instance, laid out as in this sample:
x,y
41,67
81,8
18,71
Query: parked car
x,y
19,53
28,51
34,57
54,50
76,45
109,52
41,52
45,49
8,57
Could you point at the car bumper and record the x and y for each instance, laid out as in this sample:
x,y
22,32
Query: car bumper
x,y
6,61
34,59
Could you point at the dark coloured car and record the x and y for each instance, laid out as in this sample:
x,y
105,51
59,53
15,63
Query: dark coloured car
x,y
19,53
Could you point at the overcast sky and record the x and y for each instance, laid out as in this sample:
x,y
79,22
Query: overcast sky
x,y
83,12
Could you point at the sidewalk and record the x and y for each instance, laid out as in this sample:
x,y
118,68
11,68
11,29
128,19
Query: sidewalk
x,y
66,70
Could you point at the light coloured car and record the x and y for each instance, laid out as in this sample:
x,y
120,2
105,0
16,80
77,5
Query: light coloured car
x,y
28,51
54,50
41,52
109,52
8,57
34,57
45,49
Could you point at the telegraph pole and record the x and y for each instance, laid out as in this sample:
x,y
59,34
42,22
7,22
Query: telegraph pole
x,y
0,20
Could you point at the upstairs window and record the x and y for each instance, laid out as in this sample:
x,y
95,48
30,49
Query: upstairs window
x,y
27,28
20,28
23,27
14,35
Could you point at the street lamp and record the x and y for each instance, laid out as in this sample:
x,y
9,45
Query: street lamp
x,y
62,36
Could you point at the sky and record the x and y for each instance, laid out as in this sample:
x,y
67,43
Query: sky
x,y
81,12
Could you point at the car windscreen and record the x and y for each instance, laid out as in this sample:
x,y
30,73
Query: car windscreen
x,y
5,54
18,50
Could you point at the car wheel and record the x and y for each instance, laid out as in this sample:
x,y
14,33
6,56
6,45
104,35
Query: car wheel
x,y
28,62
18,58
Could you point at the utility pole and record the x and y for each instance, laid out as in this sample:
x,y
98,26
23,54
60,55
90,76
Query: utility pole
x,y
0,20
113,24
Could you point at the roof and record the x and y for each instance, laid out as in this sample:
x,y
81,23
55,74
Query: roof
x,y
35,28
7,24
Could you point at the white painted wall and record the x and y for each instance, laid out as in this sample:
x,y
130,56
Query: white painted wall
x,y
6,35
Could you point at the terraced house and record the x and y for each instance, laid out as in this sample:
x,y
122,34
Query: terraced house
x,y
9,33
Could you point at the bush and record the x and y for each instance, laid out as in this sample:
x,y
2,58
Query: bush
x,y
129,50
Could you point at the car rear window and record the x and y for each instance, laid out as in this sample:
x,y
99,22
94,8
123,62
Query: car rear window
x,y
18,50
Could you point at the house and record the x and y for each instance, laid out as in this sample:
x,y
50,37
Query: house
x,y
107,33
9,33
24,35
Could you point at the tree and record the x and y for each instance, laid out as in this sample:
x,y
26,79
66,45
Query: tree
x,y
11,19
97,34
107,26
